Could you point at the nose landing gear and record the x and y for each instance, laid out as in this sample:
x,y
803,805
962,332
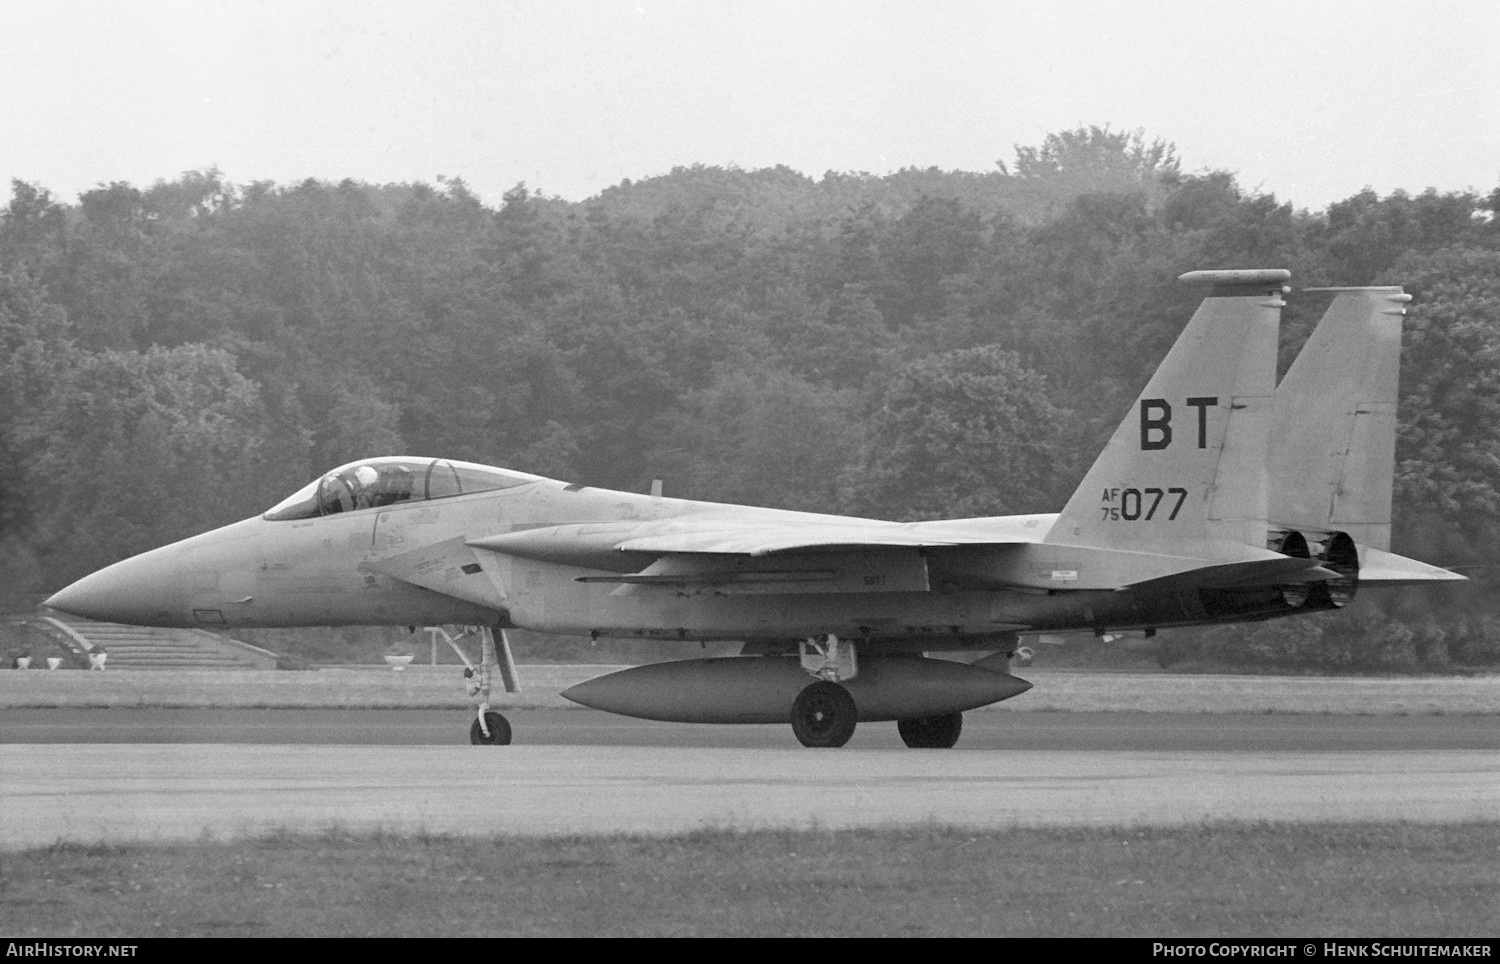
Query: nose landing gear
x,y
489,728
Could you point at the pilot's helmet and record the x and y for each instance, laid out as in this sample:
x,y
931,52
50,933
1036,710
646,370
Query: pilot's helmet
x,y
364,476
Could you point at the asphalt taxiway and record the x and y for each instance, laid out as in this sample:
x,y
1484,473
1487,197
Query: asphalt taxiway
x,y
141,775
990,729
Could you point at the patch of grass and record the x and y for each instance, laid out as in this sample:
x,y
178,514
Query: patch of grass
x,y
1389,880
32,637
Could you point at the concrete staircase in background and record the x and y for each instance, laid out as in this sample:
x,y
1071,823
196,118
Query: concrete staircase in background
x,y
143,647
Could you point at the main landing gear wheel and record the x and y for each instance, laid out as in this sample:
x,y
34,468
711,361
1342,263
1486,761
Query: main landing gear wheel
x,y
931,732
824,715
498,726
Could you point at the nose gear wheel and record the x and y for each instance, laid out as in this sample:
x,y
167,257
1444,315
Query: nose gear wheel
x,y
499,731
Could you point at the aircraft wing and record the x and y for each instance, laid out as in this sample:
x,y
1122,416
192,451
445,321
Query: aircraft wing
x,y
831,555
739,556
760,540
731,537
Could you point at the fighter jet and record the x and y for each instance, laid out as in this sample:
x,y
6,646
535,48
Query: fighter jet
x,y
1218,499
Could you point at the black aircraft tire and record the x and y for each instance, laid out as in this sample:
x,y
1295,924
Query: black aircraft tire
x,y
824,715
931,732
499,728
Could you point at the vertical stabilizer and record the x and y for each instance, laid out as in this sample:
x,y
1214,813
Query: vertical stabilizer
x,y
1188,465
1335,420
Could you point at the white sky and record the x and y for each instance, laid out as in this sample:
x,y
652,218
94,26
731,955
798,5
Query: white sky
x,y
1311,100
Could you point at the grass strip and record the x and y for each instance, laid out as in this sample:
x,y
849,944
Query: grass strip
x,y
1212,880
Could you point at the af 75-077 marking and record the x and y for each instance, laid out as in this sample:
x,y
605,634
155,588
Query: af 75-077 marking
x,y
1219,499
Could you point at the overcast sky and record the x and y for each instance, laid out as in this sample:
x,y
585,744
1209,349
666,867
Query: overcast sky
x,y
1311,100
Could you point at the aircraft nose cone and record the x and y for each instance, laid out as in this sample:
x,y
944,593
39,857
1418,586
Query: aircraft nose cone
x,y
144,591
87,598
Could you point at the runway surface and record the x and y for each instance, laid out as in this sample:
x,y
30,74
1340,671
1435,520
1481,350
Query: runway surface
x,y
986,729
116,775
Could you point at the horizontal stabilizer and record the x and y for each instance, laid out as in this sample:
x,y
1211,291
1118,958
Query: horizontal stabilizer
x,y
1285,569
1380,568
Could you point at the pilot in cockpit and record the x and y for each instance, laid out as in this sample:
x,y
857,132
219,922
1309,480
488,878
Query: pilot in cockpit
x,y
362,482
395,485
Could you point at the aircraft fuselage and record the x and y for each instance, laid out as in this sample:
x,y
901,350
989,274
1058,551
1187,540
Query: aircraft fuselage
x,y
327,571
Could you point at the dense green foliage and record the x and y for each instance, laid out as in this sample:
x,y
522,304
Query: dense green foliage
x,y
912,346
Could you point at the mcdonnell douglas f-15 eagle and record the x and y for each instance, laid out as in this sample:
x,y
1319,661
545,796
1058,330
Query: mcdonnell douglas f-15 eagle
x,y
1220,498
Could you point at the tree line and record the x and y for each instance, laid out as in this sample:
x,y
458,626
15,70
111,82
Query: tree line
x,y
916,345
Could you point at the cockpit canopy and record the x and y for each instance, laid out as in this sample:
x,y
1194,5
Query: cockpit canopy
x,y
375,483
